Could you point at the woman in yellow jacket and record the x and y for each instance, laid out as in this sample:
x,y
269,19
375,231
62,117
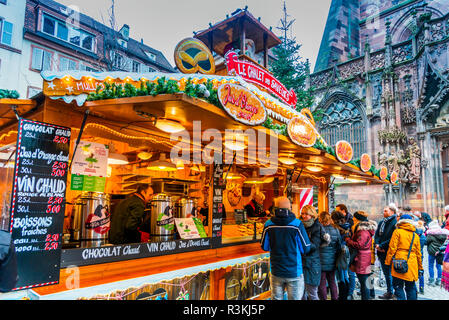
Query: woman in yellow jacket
x,y
399,248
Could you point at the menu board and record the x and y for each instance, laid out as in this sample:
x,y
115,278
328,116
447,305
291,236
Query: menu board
x,y
38,201
217,204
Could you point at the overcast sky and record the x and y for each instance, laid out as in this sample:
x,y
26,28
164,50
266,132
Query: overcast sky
x,y
163,23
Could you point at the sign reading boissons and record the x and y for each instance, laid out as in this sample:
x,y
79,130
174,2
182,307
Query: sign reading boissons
x,y
38,201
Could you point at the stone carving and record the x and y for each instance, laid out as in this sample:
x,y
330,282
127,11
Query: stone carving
x,y
402,53
414,154
378,60
351,69
437,31
394,135
321,79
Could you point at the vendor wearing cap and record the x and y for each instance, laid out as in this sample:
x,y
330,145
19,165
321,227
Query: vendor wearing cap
x,y
128,216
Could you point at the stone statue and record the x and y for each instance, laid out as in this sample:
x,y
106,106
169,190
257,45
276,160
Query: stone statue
x,y
414,154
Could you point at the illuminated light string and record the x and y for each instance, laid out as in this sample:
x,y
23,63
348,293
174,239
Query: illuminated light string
x,y
124,136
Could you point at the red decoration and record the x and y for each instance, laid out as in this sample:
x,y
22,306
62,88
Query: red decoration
x,y
257,75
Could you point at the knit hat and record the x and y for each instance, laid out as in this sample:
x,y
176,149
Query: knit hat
x,y
406,216
361,216
418,214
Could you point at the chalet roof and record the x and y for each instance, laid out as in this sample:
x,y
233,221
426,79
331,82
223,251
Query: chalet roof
x,y
228,31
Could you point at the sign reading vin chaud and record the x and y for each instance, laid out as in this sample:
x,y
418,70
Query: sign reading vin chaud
x,y
89,256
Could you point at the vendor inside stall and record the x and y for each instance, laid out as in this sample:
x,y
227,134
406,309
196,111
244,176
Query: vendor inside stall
x,y
128,216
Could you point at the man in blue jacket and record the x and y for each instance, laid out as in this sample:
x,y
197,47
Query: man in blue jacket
x,y
286,238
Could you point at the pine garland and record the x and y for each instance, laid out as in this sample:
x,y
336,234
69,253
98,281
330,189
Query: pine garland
x,y
9,94
278,128
162,86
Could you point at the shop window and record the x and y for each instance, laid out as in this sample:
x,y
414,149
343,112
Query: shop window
x,y
67,64
65,32
136,66
117,60
41,59
6,32
49,26
343,120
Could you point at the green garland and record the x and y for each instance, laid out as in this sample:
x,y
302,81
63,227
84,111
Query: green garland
x,y
162,86
9,94
278,128
328,149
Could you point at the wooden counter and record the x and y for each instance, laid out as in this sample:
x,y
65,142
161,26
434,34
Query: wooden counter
x,y
111,272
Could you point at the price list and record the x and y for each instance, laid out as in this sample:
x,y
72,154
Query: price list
x,y
38,201
217,204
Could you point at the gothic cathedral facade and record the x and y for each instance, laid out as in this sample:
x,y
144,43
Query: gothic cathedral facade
x,y
382,82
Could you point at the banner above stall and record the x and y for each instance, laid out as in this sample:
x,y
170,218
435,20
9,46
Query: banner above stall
x,y
259,76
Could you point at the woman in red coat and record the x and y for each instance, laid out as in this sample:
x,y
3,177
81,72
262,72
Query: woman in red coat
x,y
361,240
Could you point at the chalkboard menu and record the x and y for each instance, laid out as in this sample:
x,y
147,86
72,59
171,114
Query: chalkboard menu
x,y
38,201
217,204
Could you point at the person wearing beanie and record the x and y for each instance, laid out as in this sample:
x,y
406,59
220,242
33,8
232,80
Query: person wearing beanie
x,y
435,239
404,239
382,239
286,239
361,242
312,261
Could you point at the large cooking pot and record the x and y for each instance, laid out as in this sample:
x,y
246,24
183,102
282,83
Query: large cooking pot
x,y
186,208
90,221
162,218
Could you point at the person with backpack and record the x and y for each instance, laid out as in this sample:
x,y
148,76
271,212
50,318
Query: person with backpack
x,y
286,238
8,262
436,236
404,257
361,244
328,258
311,261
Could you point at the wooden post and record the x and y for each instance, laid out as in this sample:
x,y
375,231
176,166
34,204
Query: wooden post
x,y
323,203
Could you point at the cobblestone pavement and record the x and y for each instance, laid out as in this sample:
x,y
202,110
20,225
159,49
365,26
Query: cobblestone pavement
x,y
430,292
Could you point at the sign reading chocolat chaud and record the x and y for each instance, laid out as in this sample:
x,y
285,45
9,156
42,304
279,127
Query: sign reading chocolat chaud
x,y
301,132
343,151
241,104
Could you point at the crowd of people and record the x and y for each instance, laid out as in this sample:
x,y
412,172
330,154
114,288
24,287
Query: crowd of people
x,y
314,254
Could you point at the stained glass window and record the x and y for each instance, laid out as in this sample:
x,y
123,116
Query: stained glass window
x,y
343,120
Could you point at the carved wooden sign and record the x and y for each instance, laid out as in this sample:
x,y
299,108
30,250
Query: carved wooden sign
x,y
365,162
344,152
241,104
301,132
